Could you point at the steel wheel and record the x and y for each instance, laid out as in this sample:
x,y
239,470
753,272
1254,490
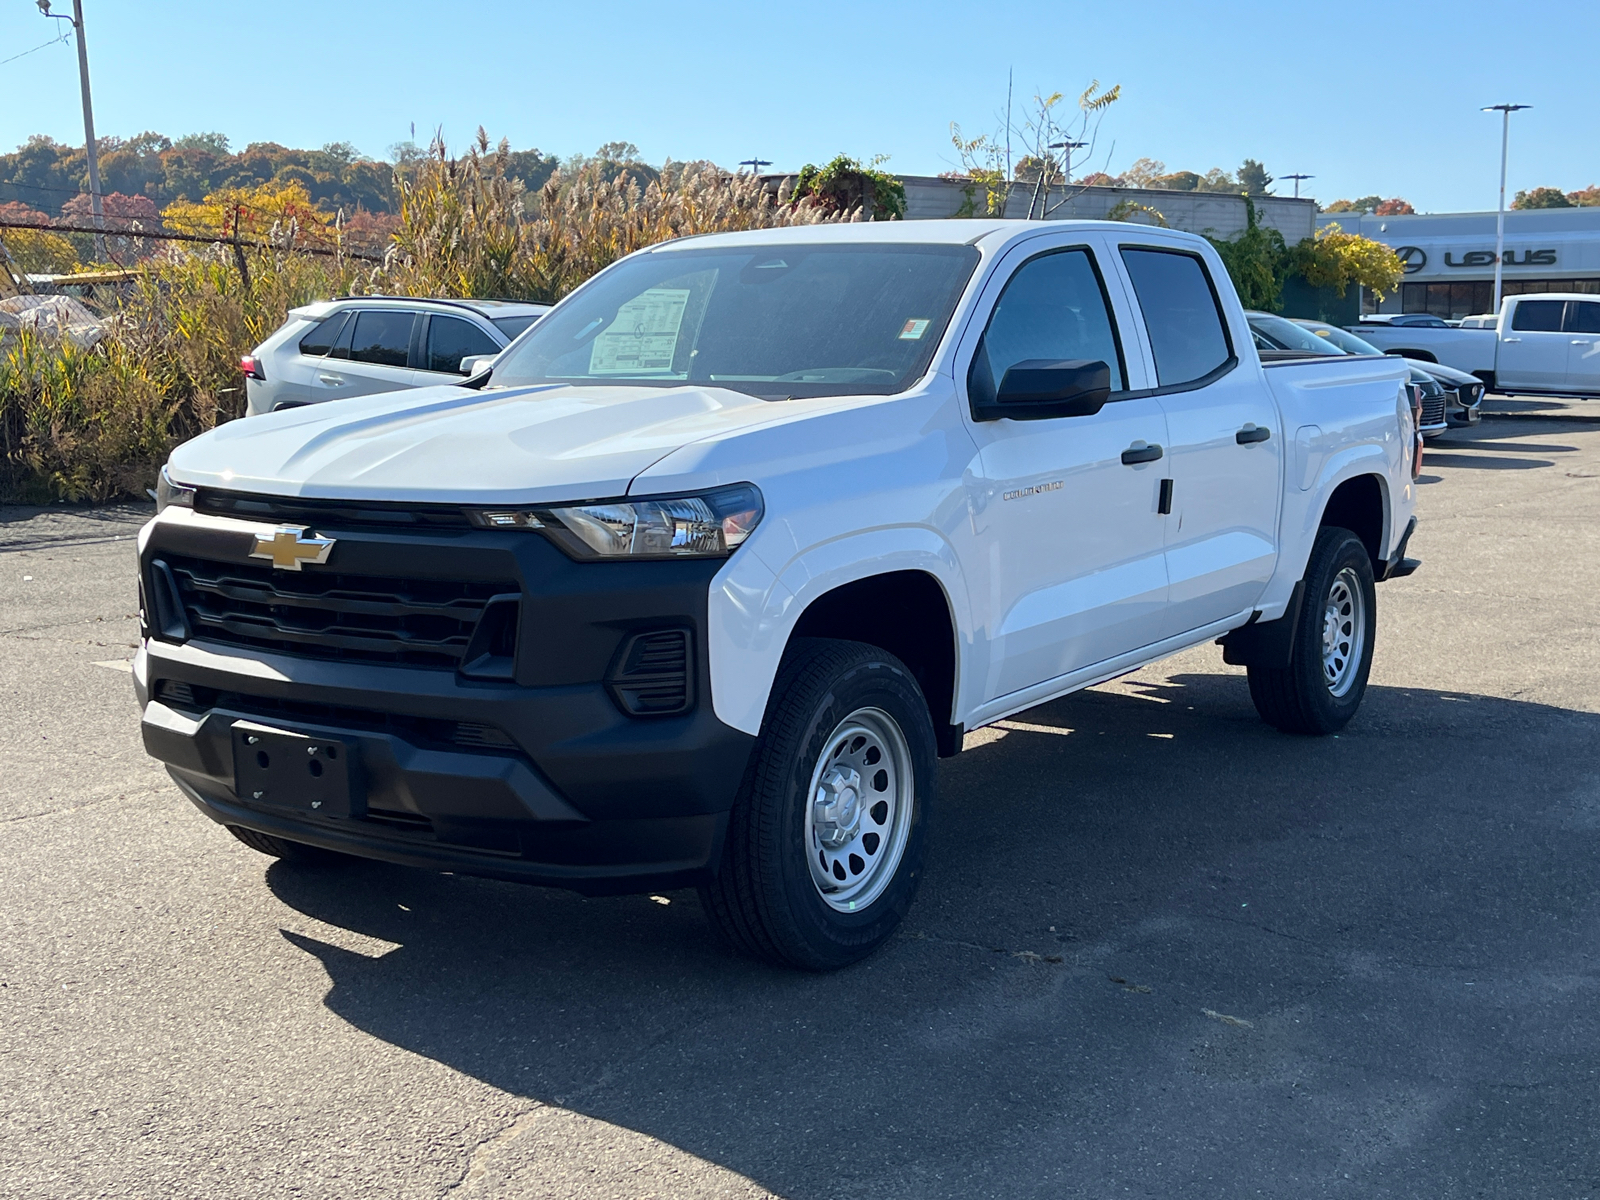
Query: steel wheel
x,y
858,809
1344,630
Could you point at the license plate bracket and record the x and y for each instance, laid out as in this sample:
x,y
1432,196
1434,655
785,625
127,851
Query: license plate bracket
x,y
295,770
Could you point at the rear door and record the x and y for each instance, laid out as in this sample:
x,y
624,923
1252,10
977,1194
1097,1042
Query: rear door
x,y
1533,350
445,342
1582,327
1225,458
373,354
1070,541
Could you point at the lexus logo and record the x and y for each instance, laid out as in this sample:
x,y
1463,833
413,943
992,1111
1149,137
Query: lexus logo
x,y
1412,258
288,546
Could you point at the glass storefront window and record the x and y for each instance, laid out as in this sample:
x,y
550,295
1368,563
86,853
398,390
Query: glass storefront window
x,y
1468,298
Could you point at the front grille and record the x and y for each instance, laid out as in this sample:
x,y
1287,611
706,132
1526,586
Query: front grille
x,y
327,615
651,676
1433,406
331,514
419,731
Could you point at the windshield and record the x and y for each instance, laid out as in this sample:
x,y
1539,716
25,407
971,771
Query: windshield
x,y
1345,340
1286,335
774,321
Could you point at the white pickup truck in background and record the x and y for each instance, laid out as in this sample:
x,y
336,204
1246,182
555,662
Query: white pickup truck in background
x,y
695,583
1547,342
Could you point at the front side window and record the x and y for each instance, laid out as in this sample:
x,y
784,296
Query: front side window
x,y
450,339
382,337
776,321
1053,308
1181,314
1538,316
1583,316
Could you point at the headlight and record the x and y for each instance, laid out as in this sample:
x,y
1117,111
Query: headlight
x,y
707,525
172,495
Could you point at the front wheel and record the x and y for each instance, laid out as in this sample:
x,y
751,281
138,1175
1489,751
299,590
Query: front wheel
x,y
1321,688
825,841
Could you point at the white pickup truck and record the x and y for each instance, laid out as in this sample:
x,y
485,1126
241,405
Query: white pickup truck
x,y
1543,343
694,586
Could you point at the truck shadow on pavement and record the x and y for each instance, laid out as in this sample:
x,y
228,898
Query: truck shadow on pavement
x,y
1157,942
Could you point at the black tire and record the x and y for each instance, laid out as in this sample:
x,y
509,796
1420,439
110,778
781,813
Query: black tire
x,y
764,900
295,852
1299,698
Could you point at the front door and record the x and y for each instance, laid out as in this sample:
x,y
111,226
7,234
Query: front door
x,y
1533,352
1582,327
1066,509
1225,456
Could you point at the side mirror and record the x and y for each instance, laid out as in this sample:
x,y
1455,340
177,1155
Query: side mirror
x,y
1039,388
473,363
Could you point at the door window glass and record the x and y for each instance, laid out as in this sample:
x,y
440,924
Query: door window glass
x,y
382,337
322,337
511,326
1181,314
1053,308
1538,316
451,339
1583,316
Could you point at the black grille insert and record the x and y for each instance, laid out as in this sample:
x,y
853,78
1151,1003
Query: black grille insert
x,y
651,675
334,514
322,614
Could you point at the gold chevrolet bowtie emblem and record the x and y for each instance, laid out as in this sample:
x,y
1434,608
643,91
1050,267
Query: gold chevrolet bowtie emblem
x,y
289,546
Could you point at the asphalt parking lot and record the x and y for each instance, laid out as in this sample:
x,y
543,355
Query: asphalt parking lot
x,y
1160,951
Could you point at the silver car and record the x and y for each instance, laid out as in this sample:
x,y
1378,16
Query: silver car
x,y
358,345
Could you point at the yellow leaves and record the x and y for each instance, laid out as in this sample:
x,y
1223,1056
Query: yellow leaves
x,y
1336,259
277,211
1090,102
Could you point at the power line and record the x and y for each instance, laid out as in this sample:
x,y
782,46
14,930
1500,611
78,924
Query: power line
x,y
219,239
35,50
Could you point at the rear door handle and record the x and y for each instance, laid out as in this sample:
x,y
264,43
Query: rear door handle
x,y
1581,342
1140,454
1510,339
1252,433
333,379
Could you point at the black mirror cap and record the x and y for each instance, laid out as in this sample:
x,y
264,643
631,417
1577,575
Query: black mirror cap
x,y
1038,388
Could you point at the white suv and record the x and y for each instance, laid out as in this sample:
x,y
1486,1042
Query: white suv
x,y
364,344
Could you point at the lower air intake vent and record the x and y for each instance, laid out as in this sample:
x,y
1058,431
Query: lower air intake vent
x,y
651,676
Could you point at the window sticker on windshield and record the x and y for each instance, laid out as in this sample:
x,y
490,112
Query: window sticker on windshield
x,y
913,330
644,337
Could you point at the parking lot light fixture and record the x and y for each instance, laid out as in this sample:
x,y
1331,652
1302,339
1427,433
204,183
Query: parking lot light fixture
x,y
1505,111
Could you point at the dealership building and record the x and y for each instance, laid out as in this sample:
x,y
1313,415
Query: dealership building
x,y
1449,257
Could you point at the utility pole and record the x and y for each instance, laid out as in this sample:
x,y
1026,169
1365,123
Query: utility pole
x,y
1297,179
1505,111
88,123
755,164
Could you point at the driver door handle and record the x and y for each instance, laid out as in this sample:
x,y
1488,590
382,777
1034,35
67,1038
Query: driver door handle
x,y
1252,433
1140,454
333,379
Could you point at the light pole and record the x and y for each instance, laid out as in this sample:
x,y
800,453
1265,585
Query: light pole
x,y
1505,111
1297,179
88,123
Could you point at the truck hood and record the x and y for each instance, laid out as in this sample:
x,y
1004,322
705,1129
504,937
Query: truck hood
x,y
454,444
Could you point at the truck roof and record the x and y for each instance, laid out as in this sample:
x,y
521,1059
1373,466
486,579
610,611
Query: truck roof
x,y
956,232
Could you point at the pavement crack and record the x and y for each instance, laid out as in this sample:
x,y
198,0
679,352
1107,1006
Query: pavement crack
x,y
487,1148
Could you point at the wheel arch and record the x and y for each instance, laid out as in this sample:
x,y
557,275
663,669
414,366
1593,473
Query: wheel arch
x,y
907,613
1360,503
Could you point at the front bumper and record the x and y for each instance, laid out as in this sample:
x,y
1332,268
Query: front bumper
x,y
540,777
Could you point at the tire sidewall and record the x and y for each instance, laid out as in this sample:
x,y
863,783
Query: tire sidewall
x,y
1335,550
872,680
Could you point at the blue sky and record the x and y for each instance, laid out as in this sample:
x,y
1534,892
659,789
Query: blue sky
x,y
1369,98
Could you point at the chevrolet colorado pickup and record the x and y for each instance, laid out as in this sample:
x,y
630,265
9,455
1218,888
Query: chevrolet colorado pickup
x,y
695,585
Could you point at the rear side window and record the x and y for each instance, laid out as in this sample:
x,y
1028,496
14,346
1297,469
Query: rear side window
x,y
382,337
1181,314
1538,316
321,339
1054,307
450,339
1583,316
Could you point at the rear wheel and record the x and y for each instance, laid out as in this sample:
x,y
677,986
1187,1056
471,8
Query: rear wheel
x,y
1321,688
825,842
295,852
